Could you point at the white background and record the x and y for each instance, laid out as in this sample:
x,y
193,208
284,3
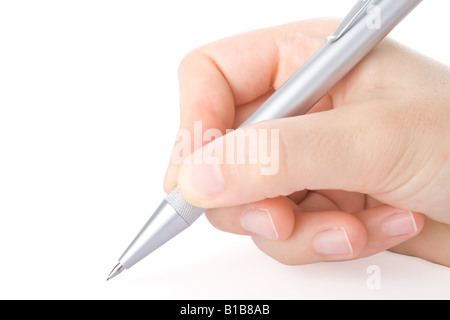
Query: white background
x,y
88,115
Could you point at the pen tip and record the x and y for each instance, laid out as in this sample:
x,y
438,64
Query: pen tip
x,y
115,271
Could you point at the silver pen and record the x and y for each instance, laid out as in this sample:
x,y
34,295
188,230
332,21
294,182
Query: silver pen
x,y
369,22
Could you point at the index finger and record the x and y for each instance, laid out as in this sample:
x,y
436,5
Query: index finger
x,y
225,79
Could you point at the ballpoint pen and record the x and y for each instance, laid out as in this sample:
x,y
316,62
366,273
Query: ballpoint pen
x,y
362,29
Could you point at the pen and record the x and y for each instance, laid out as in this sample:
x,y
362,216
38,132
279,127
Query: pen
x,y
369,22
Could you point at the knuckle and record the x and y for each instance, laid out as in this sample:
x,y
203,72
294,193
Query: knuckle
x,y
188,60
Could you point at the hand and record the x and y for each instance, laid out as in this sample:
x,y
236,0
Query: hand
x,y
368,169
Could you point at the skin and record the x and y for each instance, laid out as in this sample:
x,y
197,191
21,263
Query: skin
x,y
374,150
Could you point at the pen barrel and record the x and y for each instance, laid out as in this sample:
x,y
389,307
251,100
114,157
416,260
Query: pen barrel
x,y
172,216
163,225
333,61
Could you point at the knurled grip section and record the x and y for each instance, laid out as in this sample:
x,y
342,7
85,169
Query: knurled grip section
x,y
187,211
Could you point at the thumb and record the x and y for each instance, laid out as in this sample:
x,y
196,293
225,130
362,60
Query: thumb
x,y
336,149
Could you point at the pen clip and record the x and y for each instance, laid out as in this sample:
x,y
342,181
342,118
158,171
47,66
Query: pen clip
x,y
350,19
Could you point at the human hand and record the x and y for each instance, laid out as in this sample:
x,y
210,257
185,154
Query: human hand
x,y
353,174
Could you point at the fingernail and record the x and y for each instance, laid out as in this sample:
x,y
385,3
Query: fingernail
x,y
259,221
400,223
202,179
333,242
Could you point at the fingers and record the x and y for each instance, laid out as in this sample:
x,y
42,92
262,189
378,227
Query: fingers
x,y
270,218
222,83
317,236
206,96
432,244
388,226
214,80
